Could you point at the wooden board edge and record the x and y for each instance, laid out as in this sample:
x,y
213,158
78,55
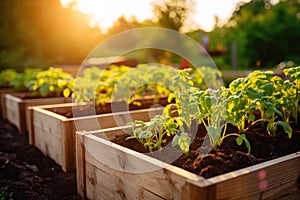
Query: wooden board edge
x,y
40,109
80,164
253,168
93,135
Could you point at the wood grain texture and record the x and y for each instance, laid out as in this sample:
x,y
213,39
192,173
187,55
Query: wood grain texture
x,y
44,135
111,172
16,106
4,91
119,173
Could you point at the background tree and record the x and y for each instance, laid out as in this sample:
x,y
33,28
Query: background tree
x,y
173,14
38,33
267,33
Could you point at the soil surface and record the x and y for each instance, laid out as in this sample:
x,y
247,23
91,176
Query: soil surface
x,y
88,110
25,173
229,156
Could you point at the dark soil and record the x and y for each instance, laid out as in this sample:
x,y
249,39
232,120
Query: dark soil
x,y
226,158
25,173
87,110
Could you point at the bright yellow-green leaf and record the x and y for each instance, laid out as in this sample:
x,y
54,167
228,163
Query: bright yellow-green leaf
x,y
61,82
51,88
66,92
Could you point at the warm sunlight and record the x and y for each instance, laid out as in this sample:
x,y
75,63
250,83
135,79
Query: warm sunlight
x,y
104,13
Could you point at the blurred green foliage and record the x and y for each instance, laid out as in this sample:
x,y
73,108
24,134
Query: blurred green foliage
x,y
39,33
21,80
266,33
6,76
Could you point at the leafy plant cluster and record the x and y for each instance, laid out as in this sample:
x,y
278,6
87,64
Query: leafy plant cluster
x,y
117,83
96,85
21,80
123,83
50,82
261,97
6,76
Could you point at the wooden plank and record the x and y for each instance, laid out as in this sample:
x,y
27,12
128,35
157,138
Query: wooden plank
x,y
29,124
49,135
80,161
262,181
16,107
269,180
49,138
44,120
120,173
2,100
12,110
110,167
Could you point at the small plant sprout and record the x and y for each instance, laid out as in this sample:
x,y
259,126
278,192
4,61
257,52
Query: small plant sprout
x,y
152,134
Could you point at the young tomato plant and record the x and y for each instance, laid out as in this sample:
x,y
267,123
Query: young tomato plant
x,y
213,106
260,91
174,118
152,134
191,104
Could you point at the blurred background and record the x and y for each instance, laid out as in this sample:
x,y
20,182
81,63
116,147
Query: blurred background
x,y
238,35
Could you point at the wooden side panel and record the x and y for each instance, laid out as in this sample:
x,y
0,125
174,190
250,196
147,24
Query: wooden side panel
x,y
48,136
203,190
114,172
4,91
30,124
44,121
12,107
68,146
275,179
109,120
37,102
80,165
3,106
16,107
264,181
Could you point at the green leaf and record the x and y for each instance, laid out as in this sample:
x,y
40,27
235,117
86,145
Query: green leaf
x,y
184,142
44,89
239,140
269,89
252,117
214,134
171,97
242,138
145,134
66,92
252,94
175,141
274,110
287,128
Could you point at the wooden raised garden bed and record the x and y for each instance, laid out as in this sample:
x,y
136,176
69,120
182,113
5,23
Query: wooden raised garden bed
x,y
106,170
54,134
4,90
16,104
